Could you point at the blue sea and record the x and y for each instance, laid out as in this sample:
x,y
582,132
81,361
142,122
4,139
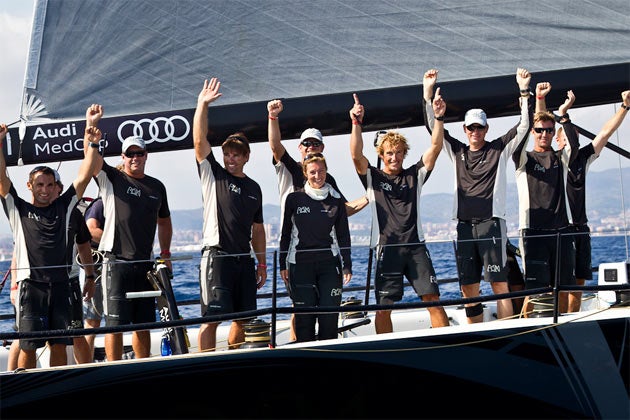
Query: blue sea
x,y
186,267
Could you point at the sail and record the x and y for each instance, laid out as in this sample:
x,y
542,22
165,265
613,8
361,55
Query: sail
x,y
145,62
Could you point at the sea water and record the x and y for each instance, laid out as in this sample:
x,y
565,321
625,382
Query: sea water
x,y
186,275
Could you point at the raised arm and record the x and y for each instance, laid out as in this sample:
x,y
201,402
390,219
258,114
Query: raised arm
x,y
542,89
612,124
274,108
437,135
523,78
356,137
93,115
563,110
208,94
572,146
428,85
5,182
92,157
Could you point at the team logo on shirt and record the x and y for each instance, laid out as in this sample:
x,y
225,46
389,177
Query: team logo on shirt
x,y
539,168
233,188
336,292
493,268
35,216
386,187
134,191
303,210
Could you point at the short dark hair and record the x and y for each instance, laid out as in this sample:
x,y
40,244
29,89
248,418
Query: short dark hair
x,y
238,142
46,170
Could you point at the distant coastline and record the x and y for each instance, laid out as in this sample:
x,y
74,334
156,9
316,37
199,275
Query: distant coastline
x,y
604,198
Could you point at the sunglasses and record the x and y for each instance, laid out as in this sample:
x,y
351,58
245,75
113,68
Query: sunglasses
x,y
473,128
548,130
307,143
132,155
313,156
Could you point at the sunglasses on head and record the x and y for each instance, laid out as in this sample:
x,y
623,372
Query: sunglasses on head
x,y
313,156
308,143
41,168
473,128
139,153
548,130
46,170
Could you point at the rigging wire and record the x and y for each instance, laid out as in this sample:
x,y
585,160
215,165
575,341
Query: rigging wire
x,y
623,201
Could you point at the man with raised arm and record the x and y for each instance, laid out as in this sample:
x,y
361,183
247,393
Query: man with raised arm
x,y
544,216
40,243
480,193
576,193
135,206
394,196
233,229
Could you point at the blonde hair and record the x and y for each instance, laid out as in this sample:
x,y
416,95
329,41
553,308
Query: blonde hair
x,y
395,139
313,157
543,116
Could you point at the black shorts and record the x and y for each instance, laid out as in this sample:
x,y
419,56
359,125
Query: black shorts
x,y
120,277
513,270
540,257
227,283
481,247
76,297
411,261
583,263
43,306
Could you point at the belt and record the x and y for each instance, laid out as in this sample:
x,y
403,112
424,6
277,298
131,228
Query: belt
x,y
476,221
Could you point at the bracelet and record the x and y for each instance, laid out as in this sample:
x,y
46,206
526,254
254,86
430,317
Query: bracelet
x,y
90,277
439,118
540,98
355,122
262,265
625,107
565,116
524,90
272,118
95,145
166,253
15,287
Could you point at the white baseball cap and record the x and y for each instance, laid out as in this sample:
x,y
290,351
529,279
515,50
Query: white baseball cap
x,y
133,141
311,133
475,116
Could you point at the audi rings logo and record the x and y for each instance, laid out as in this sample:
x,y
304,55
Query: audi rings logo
x,y
160,129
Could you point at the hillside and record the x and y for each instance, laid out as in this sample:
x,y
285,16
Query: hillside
x,y
603,197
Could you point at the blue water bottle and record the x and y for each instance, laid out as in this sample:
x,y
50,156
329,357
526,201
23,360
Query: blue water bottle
x,y
165,347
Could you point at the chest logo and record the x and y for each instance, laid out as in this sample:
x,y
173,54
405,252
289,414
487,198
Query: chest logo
x,y
303,210
134,191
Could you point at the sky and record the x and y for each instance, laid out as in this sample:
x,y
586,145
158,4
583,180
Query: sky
x,y
177,169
